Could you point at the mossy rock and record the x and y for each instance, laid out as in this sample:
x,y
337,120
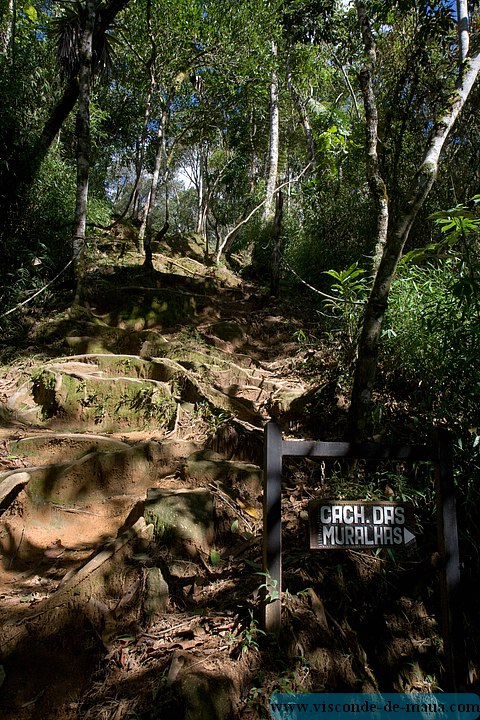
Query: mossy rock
x,y
104,339
90,334
181,518
104,403
143,308
190,245
196,389
121,366
206,696
228,331
207,467
5,414
156,595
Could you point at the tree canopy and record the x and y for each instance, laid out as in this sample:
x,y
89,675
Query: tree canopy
x,y
196,115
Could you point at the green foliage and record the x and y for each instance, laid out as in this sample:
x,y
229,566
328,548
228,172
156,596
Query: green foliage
x,y
38,249
348,294
99,211
349,283
433,320
215,558
213,417
456,225
432,331
248,638
269,586
331,225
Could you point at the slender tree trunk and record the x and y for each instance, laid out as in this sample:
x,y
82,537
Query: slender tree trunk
x,y
83,148
463,30
276,245
145,233
301,108
202,207
378,189
7,32
140,159
269,209
368,350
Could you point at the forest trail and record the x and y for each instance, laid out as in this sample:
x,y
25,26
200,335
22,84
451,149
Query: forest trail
x,y
166,363
165,381
131,493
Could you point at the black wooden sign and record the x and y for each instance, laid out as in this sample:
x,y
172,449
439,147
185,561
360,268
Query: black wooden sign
x,y
343,525
440,455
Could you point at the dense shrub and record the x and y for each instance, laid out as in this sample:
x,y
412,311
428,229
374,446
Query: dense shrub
x,y
432,336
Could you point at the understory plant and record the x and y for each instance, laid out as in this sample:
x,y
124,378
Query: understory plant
x,y
431,343
433,321
347,296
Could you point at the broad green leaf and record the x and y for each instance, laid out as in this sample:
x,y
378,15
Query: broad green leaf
x,y
30,12
215,558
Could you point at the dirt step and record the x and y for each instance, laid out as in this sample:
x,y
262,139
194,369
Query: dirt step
x,y
145,308
82,500
76,396
53,448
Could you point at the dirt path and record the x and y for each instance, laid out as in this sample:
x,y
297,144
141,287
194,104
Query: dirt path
x,y
139,400
156,396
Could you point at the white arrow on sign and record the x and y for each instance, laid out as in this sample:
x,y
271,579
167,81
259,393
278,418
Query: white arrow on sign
x,y
408,536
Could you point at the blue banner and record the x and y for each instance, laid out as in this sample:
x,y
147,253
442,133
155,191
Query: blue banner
x,y
375,706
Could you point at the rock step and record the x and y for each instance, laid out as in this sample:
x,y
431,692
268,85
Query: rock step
x,y
42,448
79,502
146,308
115,393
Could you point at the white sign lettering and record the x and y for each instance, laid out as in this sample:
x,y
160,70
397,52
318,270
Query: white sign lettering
x,y
360,525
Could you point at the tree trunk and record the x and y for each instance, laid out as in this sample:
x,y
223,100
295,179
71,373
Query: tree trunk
x,y
22,169
301,107
145,233
269,209
83,148
463,30
378,189
202,206
134,199
368,350
276,246
8,31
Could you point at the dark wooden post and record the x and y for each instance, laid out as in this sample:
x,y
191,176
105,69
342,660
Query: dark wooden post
x,y
453,636
272,526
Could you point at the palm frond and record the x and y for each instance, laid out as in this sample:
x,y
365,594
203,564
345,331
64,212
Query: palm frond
x,y
67,30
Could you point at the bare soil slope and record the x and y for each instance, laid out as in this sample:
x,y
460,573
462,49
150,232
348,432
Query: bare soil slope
x,y
130,489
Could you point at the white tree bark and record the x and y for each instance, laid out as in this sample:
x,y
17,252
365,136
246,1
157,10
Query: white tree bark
x,y
463,29
274,146
201,227
161,165
7,32
378,188
368,349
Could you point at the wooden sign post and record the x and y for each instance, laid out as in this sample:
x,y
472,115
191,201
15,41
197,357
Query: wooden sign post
x,y
377,526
